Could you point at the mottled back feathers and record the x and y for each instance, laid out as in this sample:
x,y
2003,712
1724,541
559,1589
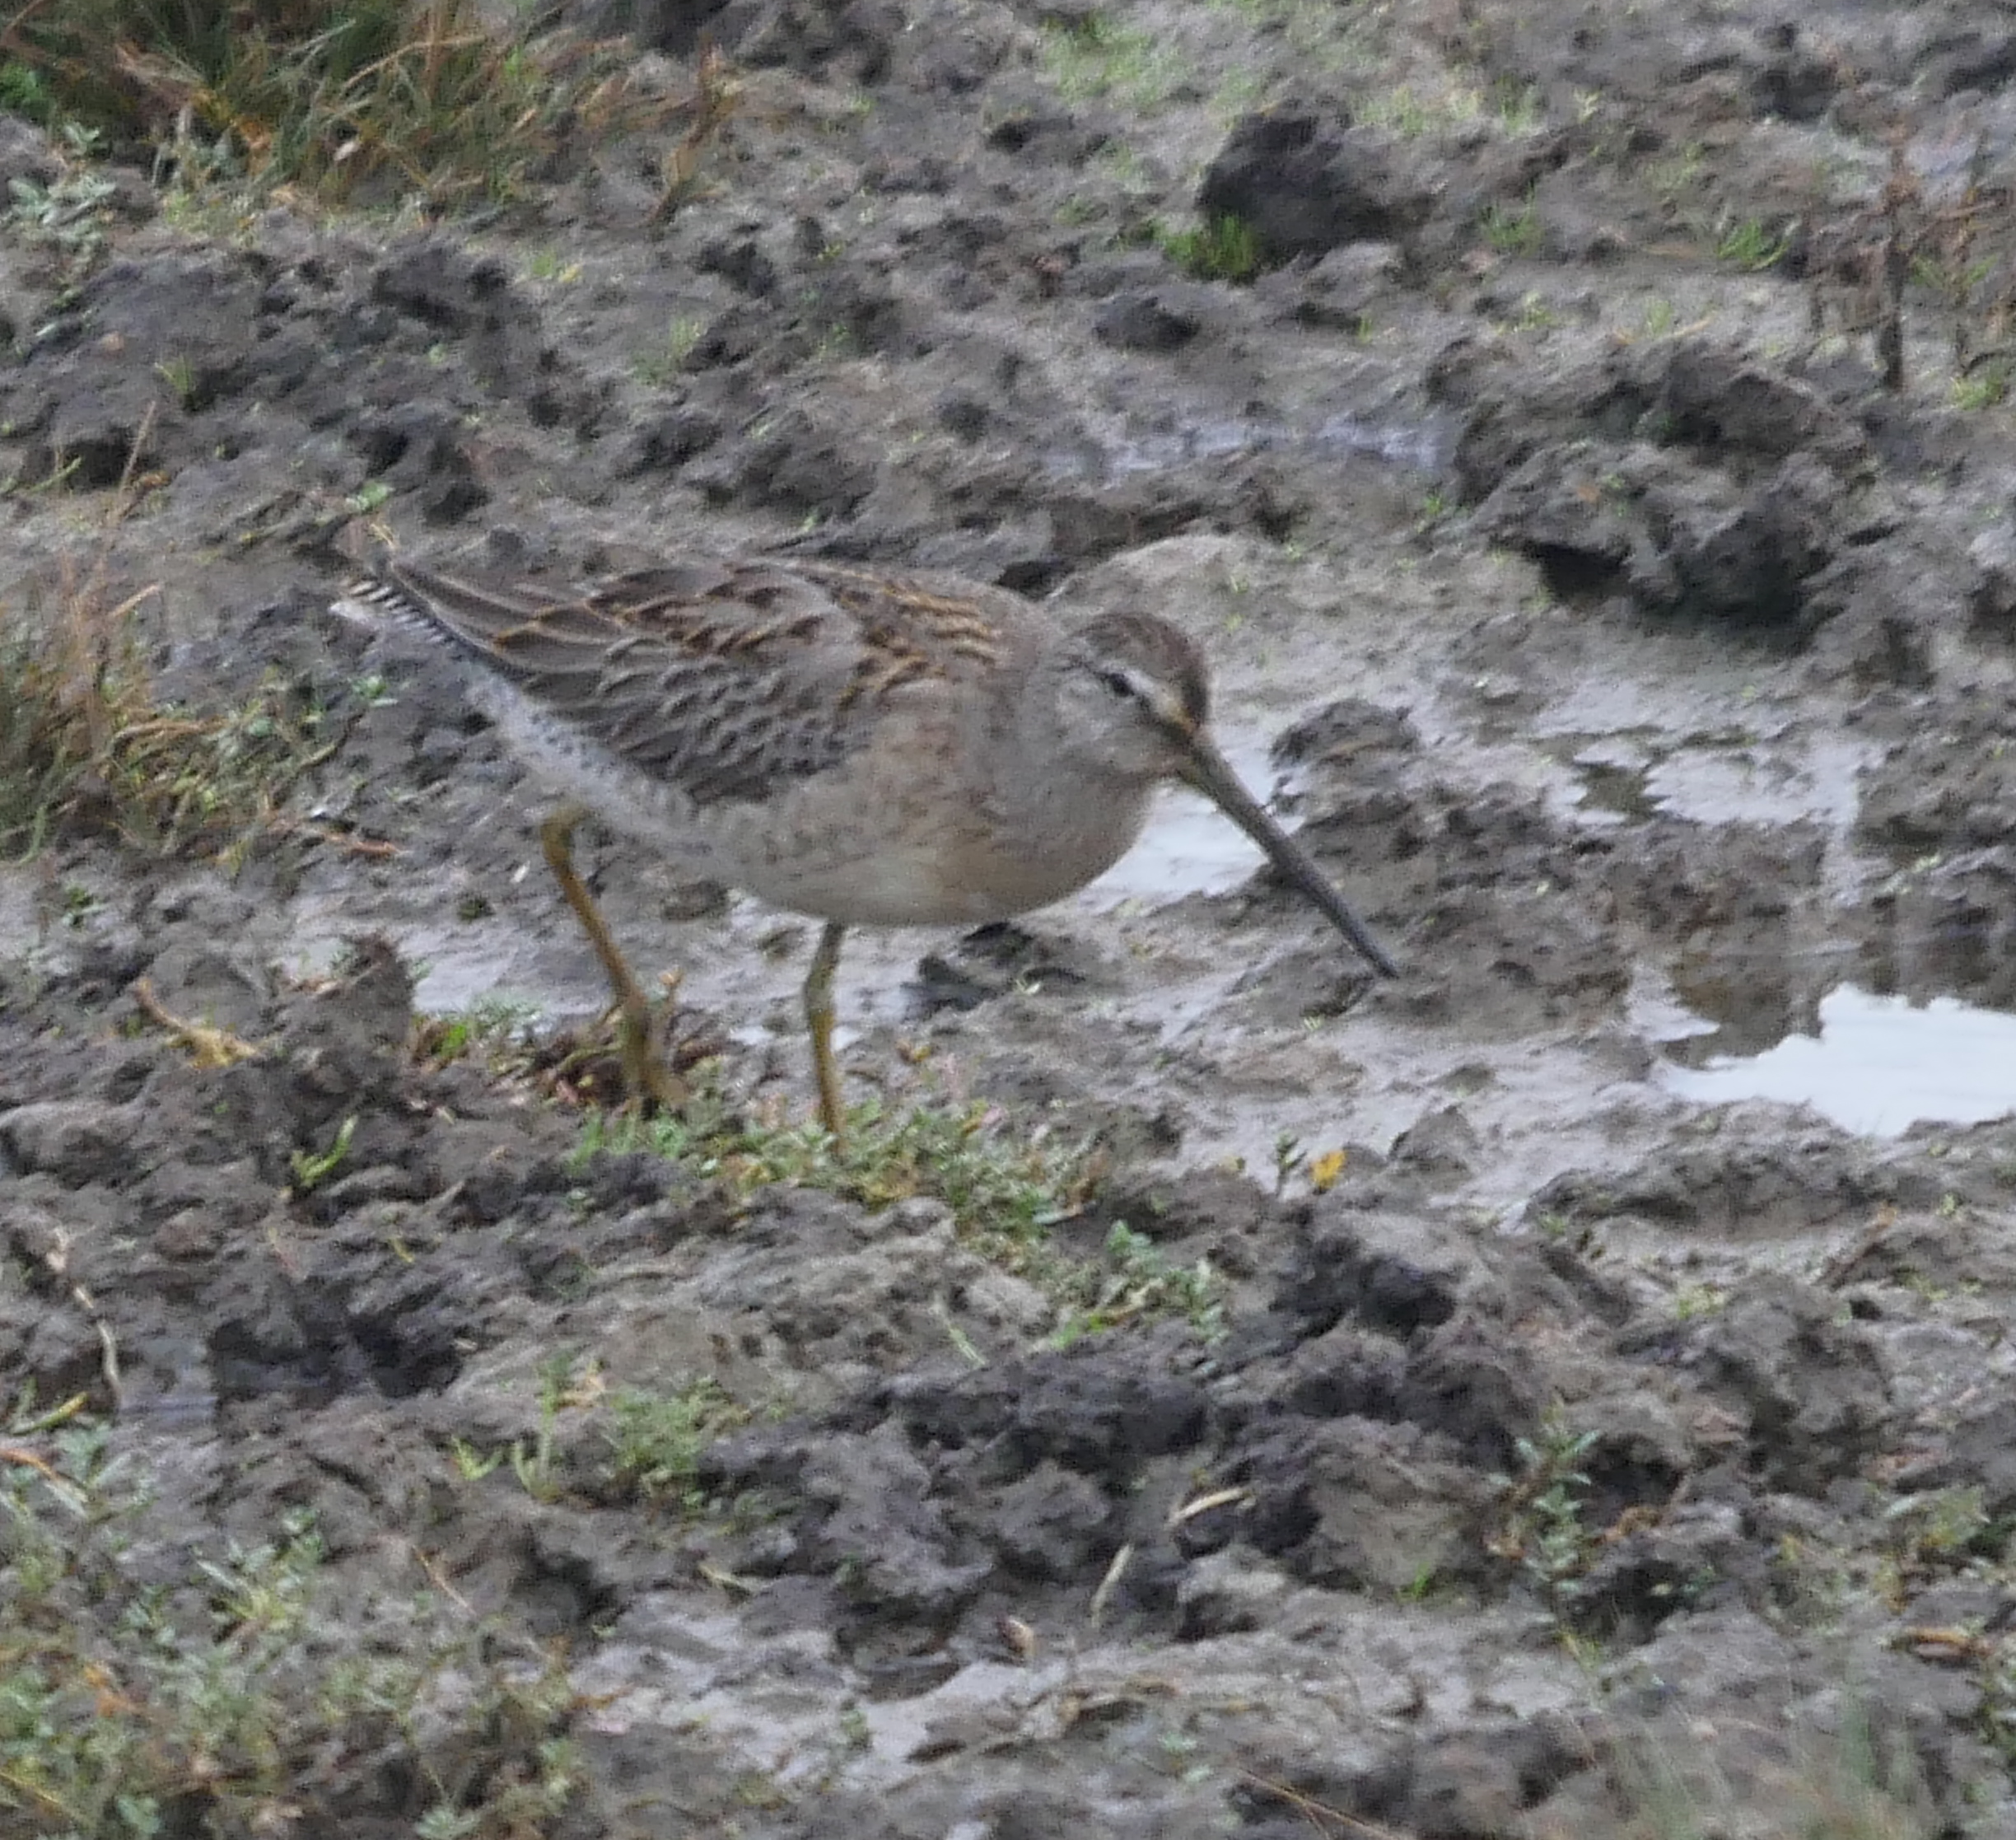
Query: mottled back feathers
x,y
725,679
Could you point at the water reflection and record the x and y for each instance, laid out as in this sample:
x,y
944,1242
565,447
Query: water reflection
x,y
1878,1065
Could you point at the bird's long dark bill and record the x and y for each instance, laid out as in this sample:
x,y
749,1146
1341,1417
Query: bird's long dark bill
x,y
1209,772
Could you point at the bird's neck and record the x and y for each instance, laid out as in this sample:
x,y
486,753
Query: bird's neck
x,y
1086,819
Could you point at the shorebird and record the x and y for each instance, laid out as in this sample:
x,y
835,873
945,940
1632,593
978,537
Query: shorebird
x,y
868,748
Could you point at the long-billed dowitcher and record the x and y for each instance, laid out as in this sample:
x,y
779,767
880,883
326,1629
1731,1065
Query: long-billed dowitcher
x,y
871,748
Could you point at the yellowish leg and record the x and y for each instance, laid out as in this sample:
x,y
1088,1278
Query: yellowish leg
x,y
818,1008
644,1074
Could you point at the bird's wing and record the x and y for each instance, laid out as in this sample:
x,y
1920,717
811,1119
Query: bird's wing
x,y
725,678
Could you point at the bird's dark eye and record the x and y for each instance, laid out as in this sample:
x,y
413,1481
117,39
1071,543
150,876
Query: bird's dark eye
x,y
1119,682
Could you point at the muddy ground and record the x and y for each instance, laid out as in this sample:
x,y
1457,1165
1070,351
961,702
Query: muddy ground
x,y
1573,1458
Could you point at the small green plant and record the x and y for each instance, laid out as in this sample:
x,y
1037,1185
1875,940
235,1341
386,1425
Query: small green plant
x,y
1288,1158
662,365
1520,108
1679,175
24,92
550,265
1421,1587
312,1168
499,1028
1003,1192
1941,1531
70,214
1748,244
1986,385
1693,1302
179,374
1544,1530
1513,230
1658,319
471,1465
655,1439
535,1464
1222,248
1141,1281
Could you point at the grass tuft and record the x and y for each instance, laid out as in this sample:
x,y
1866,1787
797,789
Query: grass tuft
x,y
1222,248
1096,58
427,95
1003,1192
1139,1282
86,746
1513,230
656,1438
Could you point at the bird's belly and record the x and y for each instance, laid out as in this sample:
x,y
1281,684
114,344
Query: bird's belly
x,y
958,874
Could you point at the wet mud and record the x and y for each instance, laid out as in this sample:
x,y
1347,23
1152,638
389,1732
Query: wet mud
x,y
1512,1401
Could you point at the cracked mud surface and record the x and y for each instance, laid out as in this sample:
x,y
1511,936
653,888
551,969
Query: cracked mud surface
x,y
1639,666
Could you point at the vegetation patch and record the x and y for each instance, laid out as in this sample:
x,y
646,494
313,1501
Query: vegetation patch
x,y
247,1693
87,745
1138,1280
1096,57
1514,229
429,97
656,1437
1003,1192
1222,248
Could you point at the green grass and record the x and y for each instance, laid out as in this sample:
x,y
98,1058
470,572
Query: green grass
x,y
662,364
1005,1192
215,1700
1140,1281
1410,113
656,1437
497,1028
428,96
1986,386
1225,248
1097,58
87,747
1748,244
1513,230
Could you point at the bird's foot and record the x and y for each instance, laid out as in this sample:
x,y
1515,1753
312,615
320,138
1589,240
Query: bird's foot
x,y
649,1083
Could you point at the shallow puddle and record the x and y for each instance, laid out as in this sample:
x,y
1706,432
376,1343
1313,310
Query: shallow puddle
x,y
1629,774
1878,1065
